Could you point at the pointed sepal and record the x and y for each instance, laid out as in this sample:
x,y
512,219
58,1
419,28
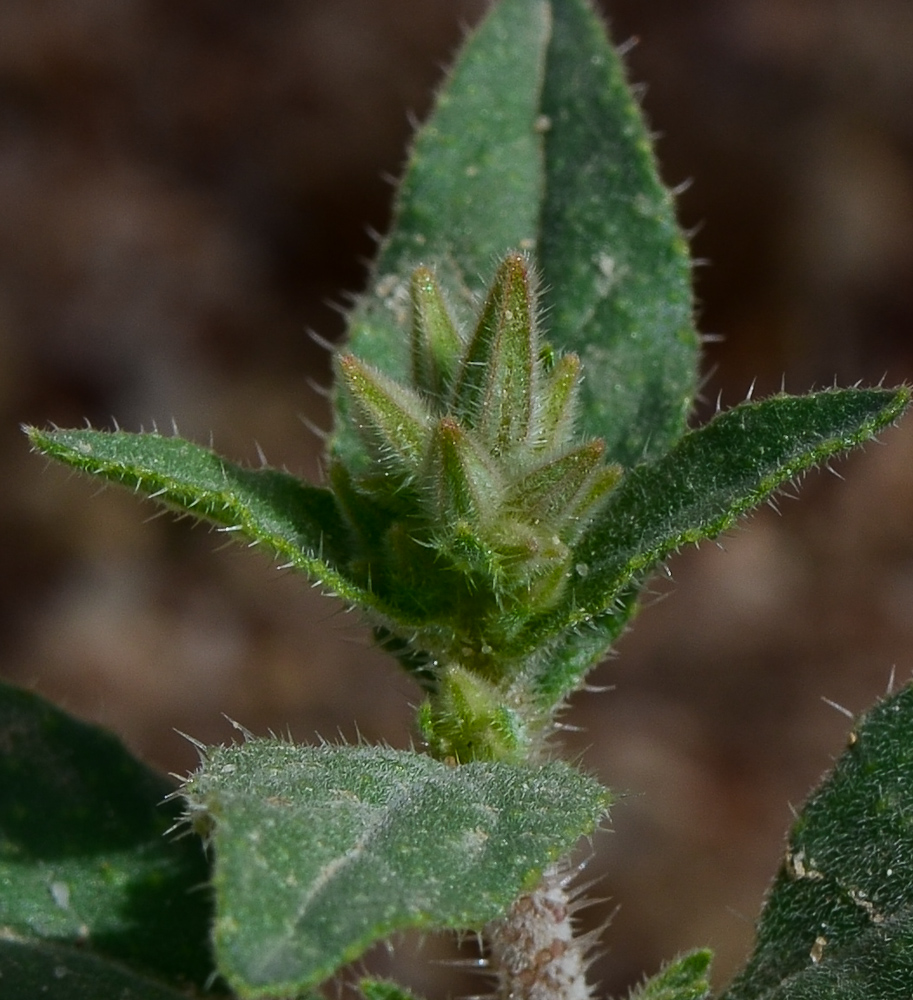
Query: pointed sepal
x,y
436,344
391,418
496,385
564,488
556,414
463,482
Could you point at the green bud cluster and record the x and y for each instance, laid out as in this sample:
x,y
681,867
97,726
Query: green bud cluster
x,y
476,488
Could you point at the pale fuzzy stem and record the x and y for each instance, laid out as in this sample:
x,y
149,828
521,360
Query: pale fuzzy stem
x,y
533,949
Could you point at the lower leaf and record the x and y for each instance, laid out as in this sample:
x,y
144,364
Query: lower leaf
x,y
84,859
30,969
320,851
838,922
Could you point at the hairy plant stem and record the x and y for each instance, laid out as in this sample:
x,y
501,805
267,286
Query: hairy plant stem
x,y
535,954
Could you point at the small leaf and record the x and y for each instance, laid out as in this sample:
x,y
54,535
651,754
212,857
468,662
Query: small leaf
x,y
838,921
84,858
683,979
383,989
322,850
711,477
299,523
615,267
39,969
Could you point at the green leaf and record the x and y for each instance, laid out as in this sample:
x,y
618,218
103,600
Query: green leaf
x,y
559,667
838,922
471,192
616,270
683,979
33,969
321,851
383,989
84,856
297,522
699,489
536,144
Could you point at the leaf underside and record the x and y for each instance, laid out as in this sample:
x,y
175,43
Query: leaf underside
x,y
838,921
321,851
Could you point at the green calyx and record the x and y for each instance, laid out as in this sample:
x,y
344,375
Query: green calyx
x,y
477,486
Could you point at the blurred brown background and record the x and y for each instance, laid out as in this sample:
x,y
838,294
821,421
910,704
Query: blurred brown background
x,y
188,186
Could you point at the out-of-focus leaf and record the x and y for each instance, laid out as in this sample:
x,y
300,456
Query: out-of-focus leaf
x,y
40,970
84,858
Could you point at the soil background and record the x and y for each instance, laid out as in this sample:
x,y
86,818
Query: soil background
x,y
188,187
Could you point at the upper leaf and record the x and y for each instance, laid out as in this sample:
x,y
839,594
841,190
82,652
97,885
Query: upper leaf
x,y
838,922
615,266
84,860
685,978
711,477
319,851
297,522
536,143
